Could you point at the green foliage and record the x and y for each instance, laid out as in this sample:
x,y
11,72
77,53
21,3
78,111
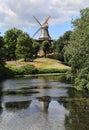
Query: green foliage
x,y
82,79
1,72
8,73
60,44
10,40
45,47
2,57
77,52
24,70
51,70
18,45
24,47
2,52
36,48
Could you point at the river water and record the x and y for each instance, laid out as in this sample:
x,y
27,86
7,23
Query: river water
x,y
42,103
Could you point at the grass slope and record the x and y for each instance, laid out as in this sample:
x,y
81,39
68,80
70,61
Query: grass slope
x,y
43,63
49,63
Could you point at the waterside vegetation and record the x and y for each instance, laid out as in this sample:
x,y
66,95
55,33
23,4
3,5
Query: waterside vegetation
x,y
38,66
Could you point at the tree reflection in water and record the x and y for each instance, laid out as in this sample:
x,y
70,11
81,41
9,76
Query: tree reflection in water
x,y
78,118
78,106
17,105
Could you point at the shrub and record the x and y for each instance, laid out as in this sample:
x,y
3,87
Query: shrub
x,y
24,70
30,69
52,70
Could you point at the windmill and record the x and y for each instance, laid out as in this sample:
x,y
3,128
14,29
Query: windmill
x,y
44,35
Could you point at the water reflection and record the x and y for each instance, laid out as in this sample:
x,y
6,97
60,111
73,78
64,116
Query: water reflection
x,y
17,105
78,118
45,102
42,103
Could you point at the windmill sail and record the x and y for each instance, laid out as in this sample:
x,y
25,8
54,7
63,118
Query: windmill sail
x,y
36,32
46,21
37,20
44,35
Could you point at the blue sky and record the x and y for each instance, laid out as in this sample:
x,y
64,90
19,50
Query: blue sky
x,y
19,14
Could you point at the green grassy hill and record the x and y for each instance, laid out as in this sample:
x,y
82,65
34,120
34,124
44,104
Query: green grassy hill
x,y
45,63
49,63
38,66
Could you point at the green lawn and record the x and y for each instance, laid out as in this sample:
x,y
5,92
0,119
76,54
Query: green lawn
x,y
44,63
49,63
42,66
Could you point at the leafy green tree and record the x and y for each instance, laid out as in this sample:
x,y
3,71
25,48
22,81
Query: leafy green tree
x,y
2,52
60,44
77,52
24,48
45,47
2,57
55,49
36,48
10,40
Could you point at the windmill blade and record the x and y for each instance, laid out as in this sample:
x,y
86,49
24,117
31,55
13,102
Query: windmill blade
x,y
36,32
37,20
46,21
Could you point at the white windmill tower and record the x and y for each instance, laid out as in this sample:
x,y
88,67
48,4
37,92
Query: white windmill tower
x,y
44,33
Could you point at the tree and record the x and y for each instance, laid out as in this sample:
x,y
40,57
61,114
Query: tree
x,y
24,47
45,47
10,40
60,44
2,52
2,57
77,52
36,47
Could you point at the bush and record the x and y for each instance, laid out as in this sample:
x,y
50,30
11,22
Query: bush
x,y
82,79
30,69
24,70
1,72
52,70
8,72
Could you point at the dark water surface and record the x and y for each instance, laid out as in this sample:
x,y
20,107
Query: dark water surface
x,y
42,103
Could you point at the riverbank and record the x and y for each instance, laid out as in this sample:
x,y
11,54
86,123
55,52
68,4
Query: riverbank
x,y
42,63
38,66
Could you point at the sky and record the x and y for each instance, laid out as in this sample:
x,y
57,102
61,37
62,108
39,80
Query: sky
x,y
19,14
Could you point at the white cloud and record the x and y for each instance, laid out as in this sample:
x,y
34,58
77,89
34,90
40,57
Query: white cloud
x,y
18,13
